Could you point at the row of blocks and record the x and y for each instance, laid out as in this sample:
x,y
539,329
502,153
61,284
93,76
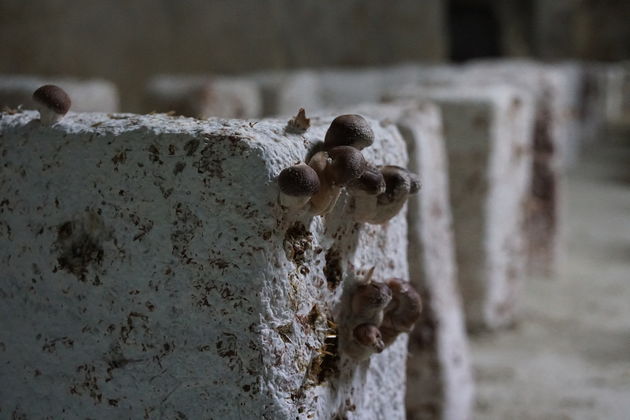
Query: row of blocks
x,y
150,268
595,91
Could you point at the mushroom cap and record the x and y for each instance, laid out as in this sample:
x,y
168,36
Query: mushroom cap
x,y
347,164
370,336
299,181
53,98
414,183
405,307
371,182
349,130
371,295
397,183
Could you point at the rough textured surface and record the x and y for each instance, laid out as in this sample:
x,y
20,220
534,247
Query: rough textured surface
x,y
149,271
487,132
90,95
204,96
439,375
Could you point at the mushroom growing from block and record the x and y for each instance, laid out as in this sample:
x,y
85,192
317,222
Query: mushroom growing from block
x,y
297,184
399,184
369,336
376,313
402,312
364,191
369,301
349,130
335,168
52,103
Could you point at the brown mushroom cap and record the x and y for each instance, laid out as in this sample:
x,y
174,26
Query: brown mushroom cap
x,y
347,164
53,98
299,181
369,296
371,182
414,183
397,183
405,307
349,130
369,335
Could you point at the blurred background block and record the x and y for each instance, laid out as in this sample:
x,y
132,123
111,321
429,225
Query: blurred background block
x,y
439,372
487,130
90,95
203,96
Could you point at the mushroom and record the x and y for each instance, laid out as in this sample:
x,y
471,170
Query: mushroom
x,y
335,168
399,184
369,301
371,182
347,164
402,312
349,130
52,103
325,199
404,309
363,192
368,335
297,184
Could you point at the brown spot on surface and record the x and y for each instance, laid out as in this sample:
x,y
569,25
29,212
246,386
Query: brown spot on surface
x,y
333,269
191,147
325,366
80,244
297,241
179,167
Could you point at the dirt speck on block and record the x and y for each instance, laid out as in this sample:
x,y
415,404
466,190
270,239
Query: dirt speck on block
x,y
297,241
333,269
80,244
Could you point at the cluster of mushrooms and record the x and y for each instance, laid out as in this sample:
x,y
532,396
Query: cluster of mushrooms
x,y
377,192
377,313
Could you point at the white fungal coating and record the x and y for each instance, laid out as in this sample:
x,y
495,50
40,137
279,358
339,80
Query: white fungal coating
x,y
167,277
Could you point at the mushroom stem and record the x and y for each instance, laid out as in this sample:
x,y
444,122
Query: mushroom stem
x,y
323,201
47,116
293,202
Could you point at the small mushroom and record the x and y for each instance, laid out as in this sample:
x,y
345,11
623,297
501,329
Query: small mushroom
x,y
52,103
405,307
371,182
399,184
369,301
335,168
363,192
347,164
325,199
368,335
402,312
297,184
349,130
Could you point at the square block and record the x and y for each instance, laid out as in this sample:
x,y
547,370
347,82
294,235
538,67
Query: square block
x,y
203,96
439,373
487,130
150,271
